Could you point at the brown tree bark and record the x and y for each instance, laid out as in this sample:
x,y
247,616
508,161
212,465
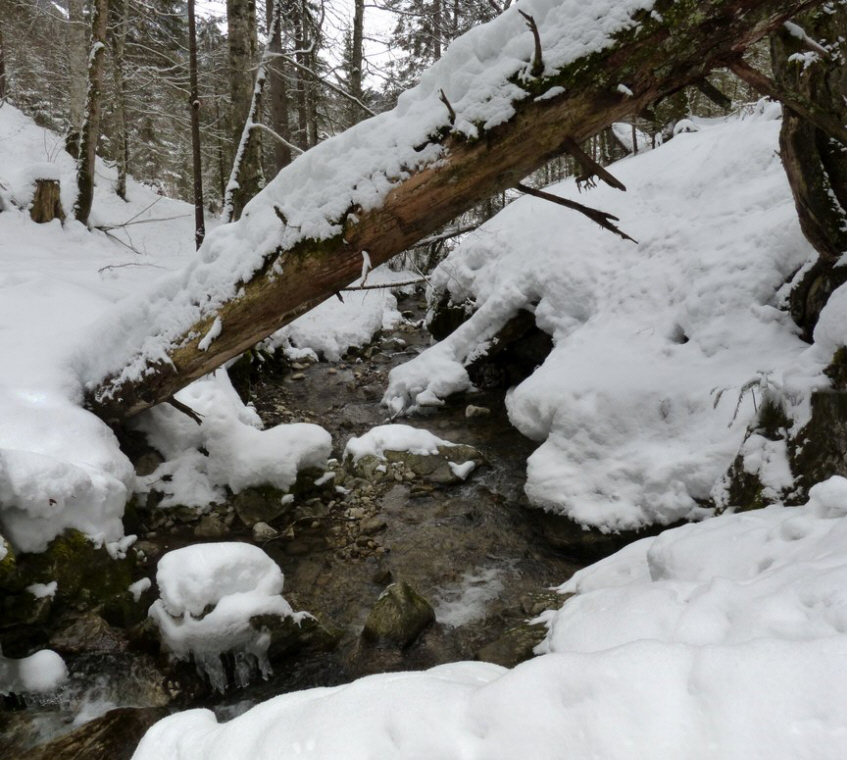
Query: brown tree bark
x,y
656,57
118,36
816,162
278,90
194,106
90,133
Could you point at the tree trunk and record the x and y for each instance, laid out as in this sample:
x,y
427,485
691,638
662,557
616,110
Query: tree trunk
x,y
814,162
241,19
2,65
194,107
90,133
357,51
278,90
78,73
121,8
655,57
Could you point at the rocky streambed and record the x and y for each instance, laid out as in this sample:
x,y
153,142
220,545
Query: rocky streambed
x,y
431,567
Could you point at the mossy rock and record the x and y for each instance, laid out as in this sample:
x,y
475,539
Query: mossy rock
x,y
289,637
399,616
513,647
260,504
819,450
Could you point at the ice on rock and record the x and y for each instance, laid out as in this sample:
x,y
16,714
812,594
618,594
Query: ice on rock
x,y
208,594
384,438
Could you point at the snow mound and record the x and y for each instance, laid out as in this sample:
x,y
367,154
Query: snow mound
x,y
236,452
384,438
208,595
661,349
776,573
41,672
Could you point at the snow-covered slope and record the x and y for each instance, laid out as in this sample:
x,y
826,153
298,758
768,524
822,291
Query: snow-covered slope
x,y
662,349
60,467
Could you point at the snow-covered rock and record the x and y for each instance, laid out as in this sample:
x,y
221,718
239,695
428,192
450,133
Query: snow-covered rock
x,y
208,596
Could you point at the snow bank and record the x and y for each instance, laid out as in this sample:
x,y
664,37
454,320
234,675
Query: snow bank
x,y
776,573
661,349
722,639
208,594
384,438
236,452
356,168
41,672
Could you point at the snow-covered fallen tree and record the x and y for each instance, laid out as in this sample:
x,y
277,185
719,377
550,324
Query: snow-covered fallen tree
x,y
504,99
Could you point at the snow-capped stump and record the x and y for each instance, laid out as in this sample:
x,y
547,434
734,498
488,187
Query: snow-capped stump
x,y
38,187
399,616
406,453
224,598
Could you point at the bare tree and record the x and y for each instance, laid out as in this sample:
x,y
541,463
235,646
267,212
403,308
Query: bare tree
x,y
194,106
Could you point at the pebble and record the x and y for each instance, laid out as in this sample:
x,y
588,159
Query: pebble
x,y
298,376
332,371
373,525
472,411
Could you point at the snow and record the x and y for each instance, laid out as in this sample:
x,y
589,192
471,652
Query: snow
x,y
384,438
43,671
719,639
778,573
139,587
60,466
662,350
238,582
354,169
41,590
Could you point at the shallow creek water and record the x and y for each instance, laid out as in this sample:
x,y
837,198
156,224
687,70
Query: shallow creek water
x,y
474,550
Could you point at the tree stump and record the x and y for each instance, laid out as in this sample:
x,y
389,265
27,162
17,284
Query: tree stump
x,y
46,201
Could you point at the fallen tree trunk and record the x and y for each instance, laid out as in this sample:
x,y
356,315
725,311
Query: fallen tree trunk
x,y
651,56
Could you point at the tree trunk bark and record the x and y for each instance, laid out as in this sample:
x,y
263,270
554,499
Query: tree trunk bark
x,y
119,32
655,57
278,90
90,133
78,73
815,162
241,19
357,52
2,65
194,107
46,202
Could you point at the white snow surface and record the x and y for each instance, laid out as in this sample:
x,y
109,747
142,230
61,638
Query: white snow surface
x,y
60,466
396,437
356,168
661,349
237,453
43,671
722,639
237,581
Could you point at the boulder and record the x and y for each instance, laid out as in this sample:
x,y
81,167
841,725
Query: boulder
x,y
513,647
261,504
88,633
399,616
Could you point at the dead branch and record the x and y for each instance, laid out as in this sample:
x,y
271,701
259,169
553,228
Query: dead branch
x,y
714,94
384,286
185,409
537,68
445,235
590,166
443,98
602,218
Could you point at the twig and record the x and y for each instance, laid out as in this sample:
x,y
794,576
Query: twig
x,y
268,131
443,98
384,285
107,227
445,235
600,217
537,63
185,409
128,264
590,166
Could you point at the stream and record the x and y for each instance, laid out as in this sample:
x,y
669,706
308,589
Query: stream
x,y
473,550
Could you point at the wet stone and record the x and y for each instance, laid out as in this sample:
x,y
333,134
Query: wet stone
x,y
211,526
372,525
399,616
260,504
